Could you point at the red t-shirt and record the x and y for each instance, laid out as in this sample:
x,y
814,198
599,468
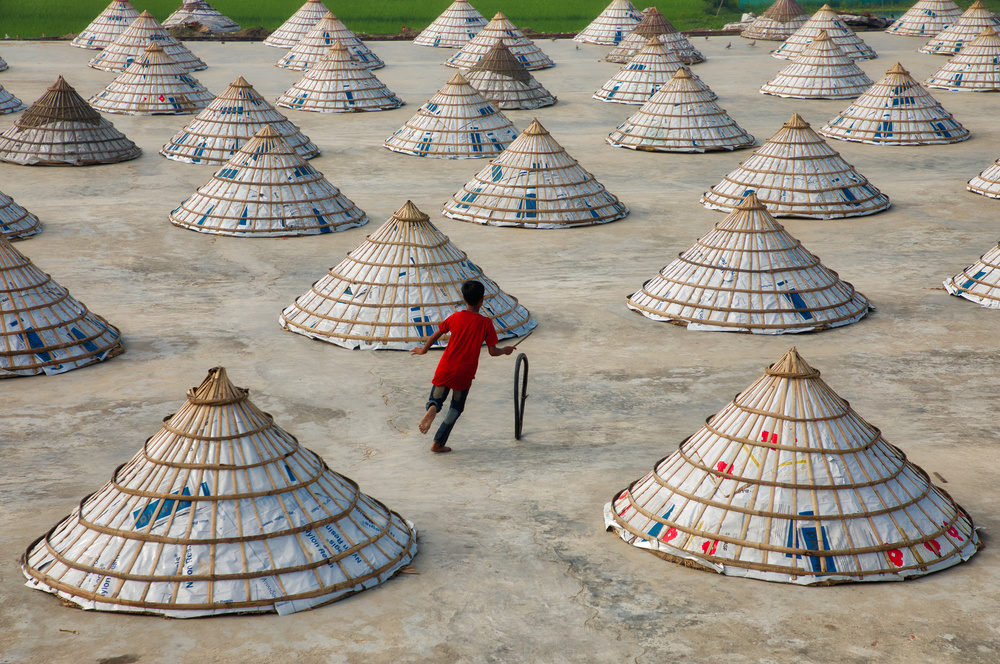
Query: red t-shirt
x,y
458,365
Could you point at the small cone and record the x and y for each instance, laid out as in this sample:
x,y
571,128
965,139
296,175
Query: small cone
x,y
9,103
976,68
987,183
131,44
612,25
500,30
3,65
153,85
338,84
980,282
16,223
825,20
778,23
318,41
504,81
642,76
654,24
927,18
104,29
453,28
821,71
202,13
298,25
969,25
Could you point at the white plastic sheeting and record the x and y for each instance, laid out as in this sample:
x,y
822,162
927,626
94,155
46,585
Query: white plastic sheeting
x,y
202,13
825,20
654,24
131,44
453,28
110,23
979,282
975,68
926,18
963,31
338,84
642,76
330,30
298,25
153,84
821,71
497,31
612,25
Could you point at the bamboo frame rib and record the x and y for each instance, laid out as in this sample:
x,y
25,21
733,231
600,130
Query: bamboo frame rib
x,y
338,84
298,25
655,24
612,25
497,31
925,19
106,27
778,22
152,85
131,44
825,20
204,14
963,31
327,32
454,28
501,79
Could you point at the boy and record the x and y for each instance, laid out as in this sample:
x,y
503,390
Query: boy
x,y
469,329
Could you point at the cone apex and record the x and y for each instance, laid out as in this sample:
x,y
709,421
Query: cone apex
x,y
826,8
682,72
898,68
458,79
792,365
145,14
216,390
329,16
499,16
988,31
796,122
750,202
60,85
410,212
822,36
267,131
535,128
153,48
240,82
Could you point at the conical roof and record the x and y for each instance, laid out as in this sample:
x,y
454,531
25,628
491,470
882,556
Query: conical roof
x,y
821,71
896,110
267,190
925,19
682,117
980,282
500,30
3,65
456,123
453,28
231,120
46,330
153,85
9,103
337,84
63,129
199,11
16,223
969,25
395,289
976,68
504,81
829,21
987,183
130,45
787,483
642,76
221,511
328,31
298,25
796,174
654,24
534,183
612,25
110,23
778,23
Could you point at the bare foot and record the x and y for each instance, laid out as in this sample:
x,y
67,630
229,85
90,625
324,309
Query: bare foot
x,y
428,420
439,449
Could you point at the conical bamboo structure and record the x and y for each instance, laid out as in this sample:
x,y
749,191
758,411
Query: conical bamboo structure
x,y
110,23
330,30
9,103
969,25
500,30
394,290
778,23
980,282
453,28
682,117
153,85
298,25
131,44
654,24
61,129
534,183
202,13
612,25
16,223
987,183
3,65
896,110
226,124
975,69
926,18
829,21
642,76
267,190
821,71
338,84
788,483
221,511
504,81
46,330
456,123
796,174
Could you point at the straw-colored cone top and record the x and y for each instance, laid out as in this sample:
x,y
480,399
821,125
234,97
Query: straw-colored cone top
x,y
825,20
612,25
821,71
456,123
500,30
501,79
534,183
654,24
202,13
395,289
46,330
453,28
642,76
976,68
778,23
221,511
16,223
110,23
896,110
153,85
330,30
298,25
63,129
796,174
980,282
987,183
267,190
9,103
231,120
749,275
131,44
787,483
682,117
338,84
970,25
925,19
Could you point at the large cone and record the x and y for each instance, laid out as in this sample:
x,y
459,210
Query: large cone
x,y
453,28
501,79
825,20
612,25
821,71
654,24
925,19
330,30
267,190
131,44
534,183
976,68
787,483
749,275
796,174
338,84
202,13
642,76
298,25
395,289
62,129
987,183
153,85
970,25
221,511
16,223
896,110
9,103
500,30
682,117
778,23
46,330
110,23
456,123
980,282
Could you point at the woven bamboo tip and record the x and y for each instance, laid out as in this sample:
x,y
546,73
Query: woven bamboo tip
x,y
337,45
822,37
499,17
826,8
153,48
976,5
409,212
682,72
145,14
898,69
796,122
240,82
750,202
61,85
329,17
535,128
267,131
653,41
216,390
792,365
457,79
988,31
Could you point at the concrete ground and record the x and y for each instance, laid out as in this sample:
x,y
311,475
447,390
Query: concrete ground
x,y
514,562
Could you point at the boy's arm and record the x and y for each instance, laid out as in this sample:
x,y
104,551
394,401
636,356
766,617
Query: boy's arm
x,y
496,351
427,344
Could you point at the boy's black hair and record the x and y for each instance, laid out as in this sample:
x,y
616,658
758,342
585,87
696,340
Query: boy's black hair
x,y
473,293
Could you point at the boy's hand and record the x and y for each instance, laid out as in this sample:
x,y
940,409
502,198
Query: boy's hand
x,y
418,351
509,350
